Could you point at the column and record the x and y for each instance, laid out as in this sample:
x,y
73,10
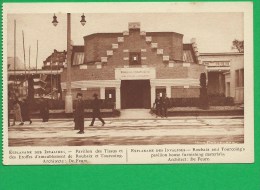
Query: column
x,y
102,93
152,95
118,98
169,91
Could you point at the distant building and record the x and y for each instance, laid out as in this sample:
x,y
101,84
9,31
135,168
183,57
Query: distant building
x,y
55,61
225,73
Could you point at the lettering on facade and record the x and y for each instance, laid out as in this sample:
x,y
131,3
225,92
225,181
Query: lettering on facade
x,y
134,73
217,63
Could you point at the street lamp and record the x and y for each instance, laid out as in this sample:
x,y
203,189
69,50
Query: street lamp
x,y
55,22
83,21
68,97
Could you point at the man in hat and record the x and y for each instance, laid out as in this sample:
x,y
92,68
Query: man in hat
x,y
79,114
96,110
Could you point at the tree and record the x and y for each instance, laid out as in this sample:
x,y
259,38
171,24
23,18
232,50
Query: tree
x,y
238,45
204,103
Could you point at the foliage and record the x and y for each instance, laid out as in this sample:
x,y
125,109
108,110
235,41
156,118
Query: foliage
x,y
203,91
238,45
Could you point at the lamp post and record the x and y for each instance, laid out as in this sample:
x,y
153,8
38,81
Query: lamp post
x,y
68,97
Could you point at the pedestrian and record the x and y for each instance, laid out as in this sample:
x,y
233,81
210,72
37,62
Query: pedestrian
x,y
17,113
157,105
96,110
79,114
25,110
44,109
165,104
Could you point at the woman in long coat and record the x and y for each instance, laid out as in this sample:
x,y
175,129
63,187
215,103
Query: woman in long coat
x,y
17,113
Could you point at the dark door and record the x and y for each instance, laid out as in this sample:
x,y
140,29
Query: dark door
x,y
135,94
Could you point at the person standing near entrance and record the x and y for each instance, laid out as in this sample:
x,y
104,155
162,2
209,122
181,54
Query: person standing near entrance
x,y
44,109
96,110
25,109
157,105
79,114
165,104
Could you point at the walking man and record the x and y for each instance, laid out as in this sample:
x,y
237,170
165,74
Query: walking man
x,y
79,114
96,110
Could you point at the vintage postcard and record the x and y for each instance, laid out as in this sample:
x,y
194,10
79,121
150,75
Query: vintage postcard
x,y
127,83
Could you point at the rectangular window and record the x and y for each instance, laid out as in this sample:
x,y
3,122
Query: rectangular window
x,y
237,78
242,77
134,58
110,94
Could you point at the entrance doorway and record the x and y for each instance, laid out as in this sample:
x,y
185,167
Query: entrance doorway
x,y
135,94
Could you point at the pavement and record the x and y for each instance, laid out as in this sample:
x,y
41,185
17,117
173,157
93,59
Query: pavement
x,y
131,131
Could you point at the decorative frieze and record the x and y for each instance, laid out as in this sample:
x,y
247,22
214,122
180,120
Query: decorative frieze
x,y
159,51
125,33
109,52
171,64
103,59
83,67
166,58
120,39
114,46
186,64
99,66
154,45
148,38
142,33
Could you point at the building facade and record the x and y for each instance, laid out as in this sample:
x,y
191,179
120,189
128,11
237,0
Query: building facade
x,y
225,73
131,67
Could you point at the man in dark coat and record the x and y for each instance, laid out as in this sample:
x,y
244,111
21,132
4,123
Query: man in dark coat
x,y
25,109
165,103
44,109
96,110
79,114
157,105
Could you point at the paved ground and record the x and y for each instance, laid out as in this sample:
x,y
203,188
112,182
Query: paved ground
x,y
130,132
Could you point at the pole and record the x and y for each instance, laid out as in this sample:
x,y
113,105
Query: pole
x,y
68,98
24,57
15,53
36,56
29,60
51,74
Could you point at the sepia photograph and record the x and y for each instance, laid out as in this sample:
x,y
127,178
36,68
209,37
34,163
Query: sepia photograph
x,y
127,79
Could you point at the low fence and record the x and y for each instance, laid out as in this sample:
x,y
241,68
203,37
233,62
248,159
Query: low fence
x,y
106,104
196,102
60,104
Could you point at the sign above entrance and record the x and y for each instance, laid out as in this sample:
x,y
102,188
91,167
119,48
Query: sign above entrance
x,y
134,73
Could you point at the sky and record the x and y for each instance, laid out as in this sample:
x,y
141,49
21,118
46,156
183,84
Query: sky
x,y
214,32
